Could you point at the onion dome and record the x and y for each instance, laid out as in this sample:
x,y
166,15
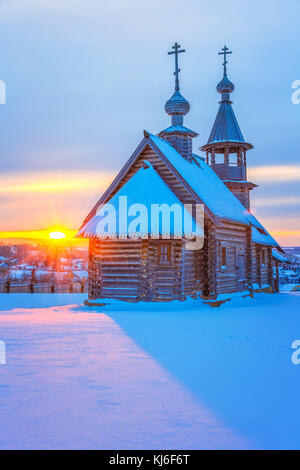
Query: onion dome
x,y
177,104
179,136
225,86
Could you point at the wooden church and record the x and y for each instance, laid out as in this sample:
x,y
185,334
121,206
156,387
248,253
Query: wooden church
x,y
236,253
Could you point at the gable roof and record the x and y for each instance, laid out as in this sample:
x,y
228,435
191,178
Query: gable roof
x,y
145,188
198,178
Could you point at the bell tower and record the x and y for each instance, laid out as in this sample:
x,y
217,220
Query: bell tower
x,y
226,149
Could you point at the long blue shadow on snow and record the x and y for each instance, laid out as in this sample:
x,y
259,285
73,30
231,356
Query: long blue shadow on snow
x,y
37,301
236,359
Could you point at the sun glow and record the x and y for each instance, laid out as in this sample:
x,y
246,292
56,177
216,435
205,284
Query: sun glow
x,y
57,235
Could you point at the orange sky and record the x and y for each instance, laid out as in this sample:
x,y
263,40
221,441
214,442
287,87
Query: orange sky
x,y
34,203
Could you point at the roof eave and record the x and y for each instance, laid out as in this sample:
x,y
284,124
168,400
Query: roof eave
x,y
218,144
185,132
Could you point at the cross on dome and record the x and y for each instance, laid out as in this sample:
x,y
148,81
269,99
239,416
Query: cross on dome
x,y
176,51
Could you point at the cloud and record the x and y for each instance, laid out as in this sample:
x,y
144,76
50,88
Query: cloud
x,y
132,17
274,173
12,9
287,238
276,201
285,229
54,182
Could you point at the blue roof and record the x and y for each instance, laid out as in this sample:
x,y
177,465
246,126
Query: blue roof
x,y
226,127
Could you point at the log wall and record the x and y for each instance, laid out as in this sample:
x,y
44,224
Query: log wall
x,y
232,277
193,271
130,270
114,268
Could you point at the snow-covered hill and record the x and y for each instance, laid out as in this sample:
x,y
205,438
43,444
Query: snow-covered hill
x,y
167,375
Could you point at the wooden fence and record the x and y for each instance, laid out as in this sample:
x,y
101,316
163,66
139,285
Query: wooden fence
x,y
11,286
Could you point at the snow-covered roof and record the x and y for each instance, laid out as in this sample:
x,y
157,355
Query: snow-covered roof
x,y
209,187
278,256
145,188
262,238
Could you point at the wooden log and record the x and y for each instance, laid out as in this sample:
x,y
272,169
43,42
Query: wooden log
x,y
277,277
258,266
206,266
270,267
177,268
143,290
249,260
212,259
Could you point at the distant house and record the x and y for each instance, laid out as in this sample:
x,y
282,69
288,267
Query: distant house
x,y
237,250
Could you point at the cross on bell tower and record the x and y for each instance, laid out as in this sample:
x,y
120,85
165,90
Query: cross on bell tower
x,y
225,51
176,51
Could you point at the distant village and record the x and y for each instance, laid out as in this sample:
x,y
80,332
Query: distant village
x,y
289,273
41,268
37,268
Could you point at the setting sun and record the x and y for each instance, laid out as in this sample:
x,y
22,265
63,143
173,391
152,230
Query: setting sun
x,y
57,235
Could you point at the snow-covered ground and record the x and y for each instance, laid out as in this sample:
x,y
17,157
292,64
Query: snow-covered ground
x,y
167,375
288,287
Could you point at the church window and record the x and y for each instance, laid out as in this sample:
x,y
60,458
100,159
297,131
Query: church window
x,y
164,254
223,257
